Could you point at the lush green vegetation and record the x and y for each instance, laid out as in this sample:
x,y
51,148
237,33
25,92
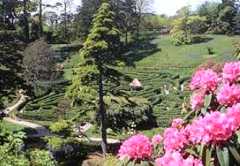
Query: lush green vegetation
x,y
110,69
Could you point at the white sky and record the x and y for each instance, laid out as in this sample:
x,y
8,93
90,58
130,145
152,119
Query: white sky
x,y
168,7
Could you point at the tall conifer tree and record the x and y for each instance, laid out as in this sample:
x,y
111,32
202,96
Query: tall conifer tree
x,y
97,53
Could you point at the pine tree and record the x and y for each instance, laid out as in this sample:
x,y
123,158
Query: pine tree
x,y
98,52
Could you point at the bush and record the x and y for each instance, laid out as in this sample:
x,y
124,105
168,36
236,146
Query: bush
x,y
55,143
136,114
41,158
61,127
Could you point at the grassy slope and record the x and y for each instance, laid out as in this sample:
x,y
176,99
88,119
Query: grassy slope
x,y
168,65
187,55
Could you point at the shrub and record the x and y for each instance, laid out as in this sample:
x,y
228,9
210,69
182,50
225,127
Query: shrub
x,y
55,143
61,127
41,158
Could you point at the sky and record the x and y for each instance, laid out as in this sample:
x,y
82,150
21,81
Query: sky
x,y
168,7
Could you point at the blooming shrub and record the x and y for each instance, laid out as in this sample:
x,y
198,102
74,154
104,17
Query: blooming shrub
x,y
176,159
204,79
174,139
136,147
231,72
229,94
210,133
157,139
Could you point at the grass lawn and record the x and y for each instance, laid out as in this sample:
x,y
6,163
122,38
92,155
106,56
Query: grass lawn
x,y
188,55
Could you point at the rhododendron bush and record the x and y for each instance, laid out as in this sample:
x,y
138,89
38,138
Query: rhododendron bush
x,y
209,135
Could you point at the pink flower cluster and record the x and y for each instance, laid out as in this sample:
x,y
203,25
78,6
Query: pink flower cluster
x,y
176,159
229,94
231,72
213,128
177,123
174,139
157,139
197,100
136,147
204,79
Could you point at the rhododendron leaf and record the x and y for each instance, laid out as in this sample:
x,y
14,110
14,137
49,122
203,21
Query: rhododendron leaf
x,y
238,136
200,149
207,157
144,163
191,152
223,110
188,115
207,100
204,111
223,156
235,153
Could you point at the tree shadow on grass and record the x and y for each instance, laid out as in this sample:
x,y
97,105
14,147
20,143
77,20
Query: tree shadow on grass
x,y
198,39
141,48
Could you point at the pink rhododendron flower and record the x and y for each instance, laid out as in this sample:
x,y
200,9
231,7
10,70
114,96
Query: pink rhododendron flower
x,y
196,132
157,139
214,127
229,94
231,71
177,123
219,126
197,100
234,113
206,80
176,159
174,139
136,147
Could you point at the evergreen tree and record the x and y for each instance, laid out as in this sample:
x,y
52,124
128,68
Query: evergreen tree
x,y
96,55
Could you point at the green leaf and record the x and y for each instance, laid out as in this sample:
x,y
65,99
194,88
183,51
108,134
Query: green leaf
x,y
235,153
207,157
191,152
188,115
238,136
207,101
223,156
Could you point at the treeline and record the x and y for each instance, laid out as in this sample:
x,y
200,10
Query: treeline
x,y
33,19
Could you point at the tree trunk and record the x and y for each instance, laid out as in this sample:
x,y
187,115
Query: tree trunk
x,y
102,112
40,18
26,25
65,21
126,38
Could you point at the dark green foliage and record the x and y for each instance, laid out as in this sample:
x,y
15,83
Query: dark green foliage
x,y
124,112
10,64
85,16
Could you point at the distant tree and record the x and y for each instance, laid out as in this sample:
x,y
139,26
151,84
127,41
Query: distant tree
x,y
142,6
85,16
98,52
39,63
126,17
35,29
210,11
